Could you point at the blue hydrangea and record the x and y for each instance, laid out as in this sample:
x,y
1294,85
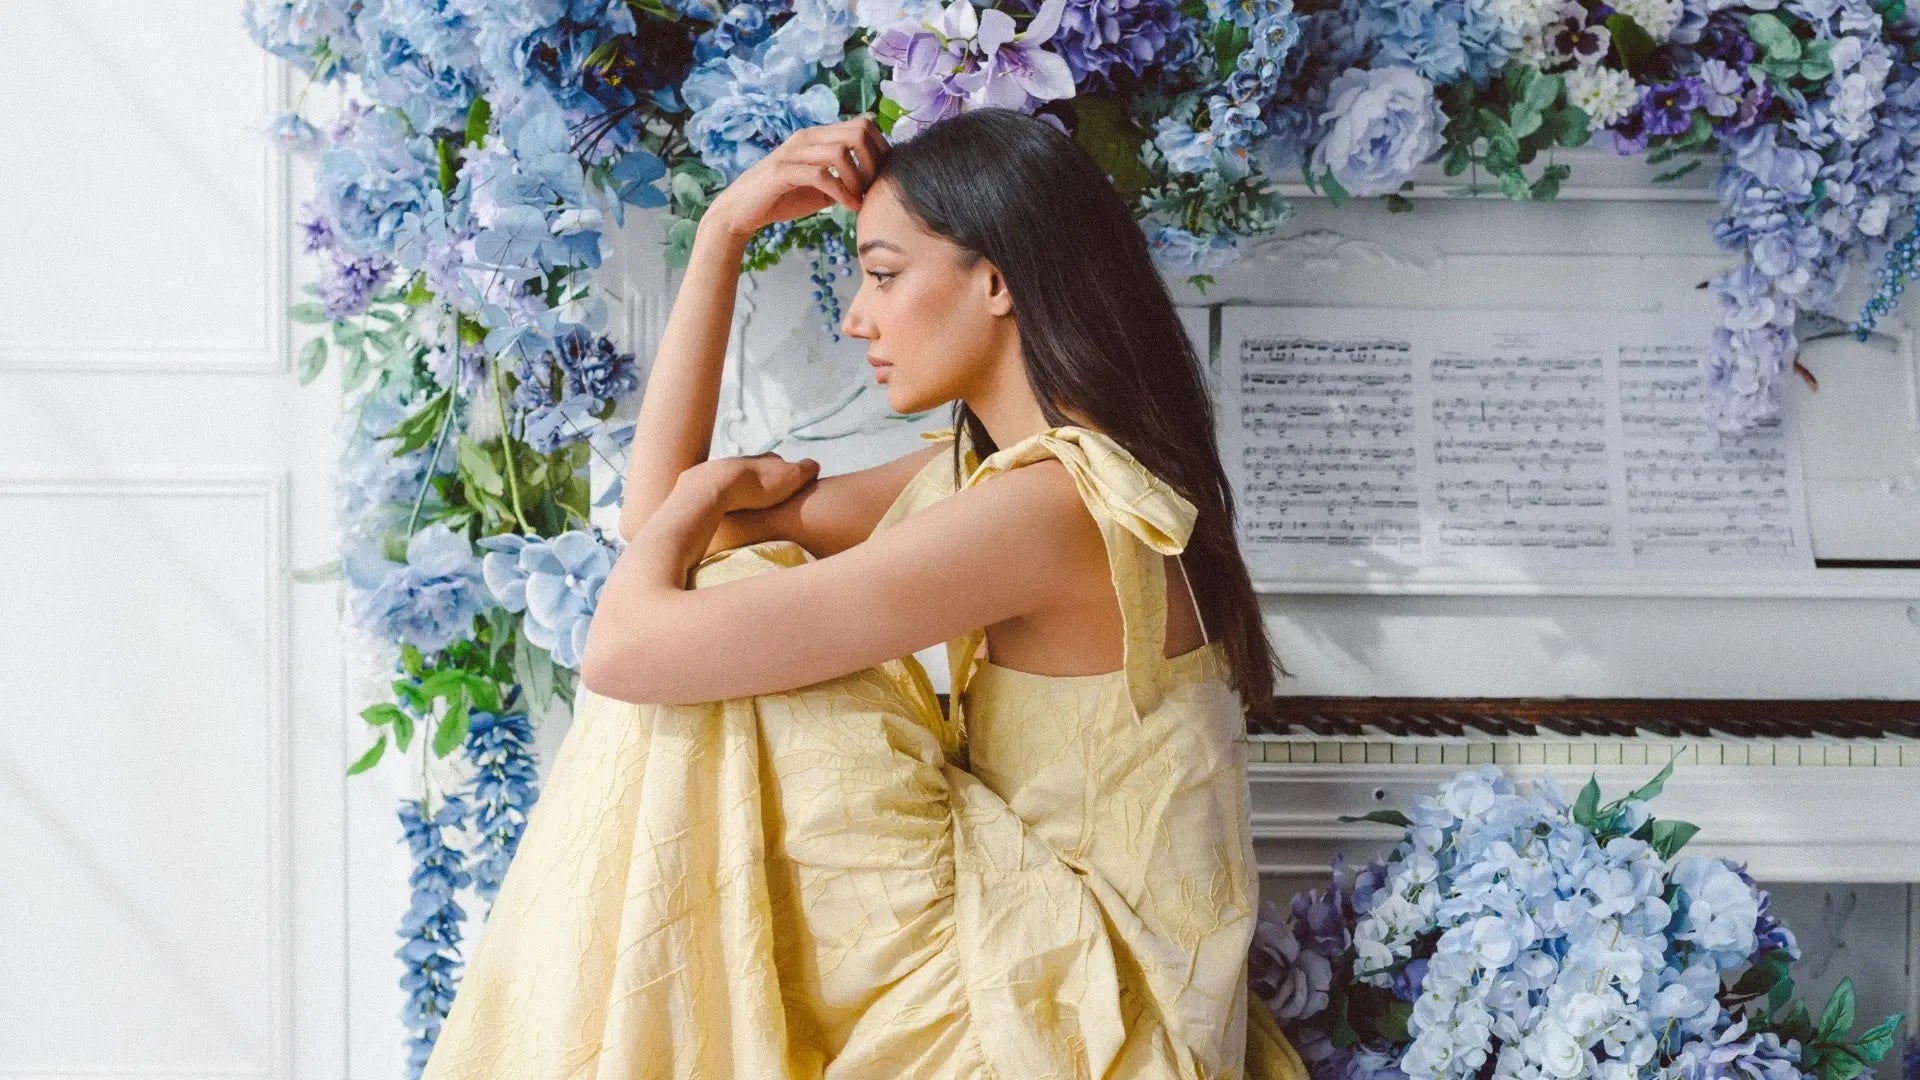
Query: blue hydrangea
x,y
375,489
419,57
743,108
545,44
369,181
291,29
429,601
561,393
556,582
1443,40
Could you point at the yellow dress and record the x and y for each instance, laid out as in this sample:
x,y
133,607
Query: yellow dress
x,y
839,881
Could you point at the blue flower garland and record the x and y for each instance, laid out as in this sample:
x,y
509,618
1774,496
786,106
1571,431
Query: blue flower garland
x,y
463,195
431,928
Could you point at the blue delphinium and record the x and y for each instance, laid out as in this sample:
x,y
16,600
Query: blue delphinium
x,y
556,582
431,927
429,601
504,791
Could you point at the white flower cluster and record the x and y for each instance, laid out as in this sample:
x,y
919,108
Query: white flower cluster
x,y
1579,959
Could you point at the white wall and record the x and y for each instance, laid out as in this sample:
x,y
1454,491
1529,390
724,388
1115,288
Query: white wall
x,y
171,737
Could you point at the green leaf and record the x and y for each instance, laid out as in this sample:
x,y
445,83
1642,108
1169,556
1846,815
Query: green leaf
x,y
451,729
1392,1021
1543,92
1631,43
1837,1019
1654,786
1796,1025
331,570
1572,126
1781,993
403,731
443,684
1399,204
1771,33
478,115
477,466
1382,817
313,360
1587,802
1113,140
1670,836
1336,193
347,335
533,670
1457,160
1878,1039
369,759
385,712
417,430
1764,975
1675,174
1524,121
449,166
485,695
307,313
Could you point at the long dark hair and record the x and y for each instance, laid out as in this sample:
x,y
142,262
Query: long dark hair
x,y
1097,328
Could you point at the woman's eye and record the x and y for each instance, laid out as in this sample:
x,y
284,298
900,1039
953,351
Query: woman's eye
x,y
879,276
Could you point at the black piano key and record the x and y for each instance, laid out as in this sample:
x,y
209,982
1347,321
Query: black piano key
x,y
1447,725
1393,724
1564,725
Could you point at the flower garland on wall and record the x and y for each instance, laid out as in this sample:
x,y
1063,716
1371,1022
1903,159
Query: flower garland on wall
x,y
486,145
1520,936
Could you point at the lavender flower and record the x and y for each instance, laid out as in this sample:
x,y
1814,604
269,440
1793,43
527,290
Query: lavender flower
x,y
971,58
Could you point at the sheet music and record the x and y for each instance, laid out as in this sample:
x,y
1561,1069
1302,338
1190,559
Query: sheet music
x,y
1472,438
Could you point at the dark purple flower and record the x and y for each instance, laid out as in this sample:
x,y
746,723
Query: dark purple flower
x,y
1099,38
1725,38
1406,981
1630,131
1575,40
1669,106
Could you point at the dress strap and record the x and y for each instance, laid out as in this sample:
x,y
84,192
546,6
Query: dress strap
x,y
1141,518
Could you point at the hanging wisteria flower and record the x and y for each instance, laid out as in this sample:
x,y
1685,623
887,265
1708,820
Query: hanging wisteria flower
x,y
504,791
1383,124
429,601
431,927
556,582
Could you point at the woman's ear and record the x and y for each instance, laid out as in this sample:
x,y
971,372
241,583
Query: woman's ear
x,y
999,298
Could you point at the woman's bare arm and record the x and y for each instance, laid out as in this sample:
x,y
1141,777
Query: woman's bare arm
x,y
1007,547
674,428
832,513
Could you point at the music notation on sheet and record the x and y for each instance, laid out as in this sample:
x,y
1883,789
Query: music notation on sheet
x,y
1533,439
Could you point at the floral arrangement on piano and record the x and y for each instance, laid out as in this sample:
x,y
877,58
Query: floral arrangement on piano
x,y
463,195
1521,936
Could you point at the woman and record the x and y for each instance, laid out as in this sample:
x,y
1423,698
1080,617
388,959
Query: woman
x,y
763,850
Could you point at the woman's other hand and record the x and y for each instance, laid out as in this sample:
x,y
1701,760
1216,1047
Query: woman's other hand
x,y
814,168
755,481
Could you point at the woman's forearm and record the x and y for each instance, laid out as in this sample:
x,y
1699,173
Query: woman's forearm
x,y
650,575
674,429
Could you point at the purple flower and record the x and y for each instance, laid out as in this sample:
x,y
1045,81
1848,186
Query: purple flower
x,y
969,58
1292,980
1669,106
1630,133
347,284
1101,38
